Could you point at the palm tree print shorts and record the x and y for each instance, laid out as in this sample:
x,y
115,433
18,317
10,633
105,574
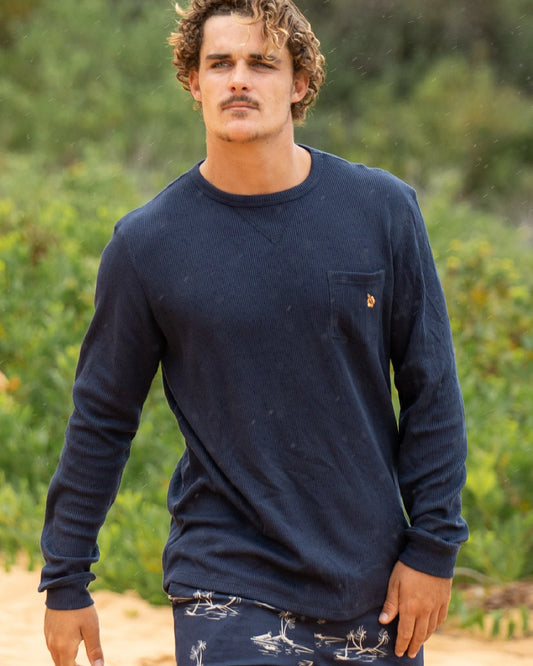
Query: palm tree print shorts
x,y
217,630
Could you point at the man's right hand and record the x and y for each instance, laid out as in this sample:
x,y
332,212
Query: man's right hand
x,y
64,630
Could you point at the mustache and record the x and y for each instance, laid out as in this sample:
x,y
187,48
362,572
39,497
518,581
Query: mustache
x,y
239,99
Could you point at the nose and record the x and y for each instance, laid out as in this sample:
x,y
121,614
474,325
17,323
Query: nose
x,y
239,82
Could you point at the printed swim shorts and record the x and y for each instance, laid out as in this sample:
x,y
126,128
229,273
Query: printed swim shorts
x,y
217,630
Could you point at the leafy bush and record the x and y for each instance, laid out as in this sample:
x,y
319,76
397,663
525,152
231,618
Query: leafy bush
x,y
49,251
487,271
95,124
431,131
131,544
369,39
86,72
99,73
21,519
493,326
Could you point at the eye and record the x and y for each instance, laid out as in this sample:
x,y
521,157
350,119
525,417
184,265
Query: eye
x,y
220,64
262,64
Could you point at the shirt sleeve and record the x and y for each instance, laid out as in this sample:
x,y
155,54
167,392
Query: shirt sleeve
x,y
118,360
432,449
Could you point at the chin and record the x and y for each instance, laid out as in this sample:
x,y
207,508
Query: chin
x,y
238,134
241,138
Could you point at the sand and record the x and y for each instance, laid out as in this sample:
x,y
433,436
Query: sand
x,y
137,634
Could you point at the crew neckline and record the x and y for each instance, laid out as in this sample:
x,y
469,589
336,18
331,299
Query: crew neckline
x,y
256,200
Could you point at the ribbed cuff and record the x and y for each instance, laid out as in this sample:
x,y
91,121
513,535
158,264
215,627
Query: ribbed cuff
x,y
429,555
70,597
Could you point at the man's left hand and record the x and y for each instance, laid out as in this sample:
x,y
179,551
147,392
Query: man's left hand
x,y
421,601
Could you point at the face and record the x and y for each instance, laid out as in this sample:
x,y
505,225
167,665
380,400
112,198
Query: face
x,y
245,93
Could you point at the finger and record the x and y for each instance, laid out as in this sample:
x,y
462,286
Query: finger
x,y
62,653
99,661
391,605
435,620
60,659
433,623
406,627
93,648
443,614
418,638
95,655
388,612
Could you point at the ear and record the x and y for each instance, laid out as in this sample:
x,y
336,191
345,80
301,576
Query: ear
x,y
194,86
300,85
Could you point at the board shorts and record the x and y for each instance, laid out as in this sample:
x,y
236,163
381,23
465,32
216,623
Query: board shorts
x,y
212,629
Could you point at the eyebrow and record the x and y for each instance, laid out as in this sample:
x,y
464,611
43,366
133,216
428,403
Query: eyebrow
x,y
217,56
251,56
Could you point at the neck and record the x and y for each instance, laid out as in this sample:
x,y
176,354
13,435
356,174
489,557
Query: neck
x,y
252,168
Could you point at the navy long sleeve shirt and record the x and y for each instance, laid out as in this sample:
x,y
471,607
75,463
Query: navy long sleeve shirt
x,y
275,319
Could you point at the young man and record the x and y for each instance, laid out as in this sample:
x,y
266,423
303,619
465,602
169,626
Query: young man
x,y
275,284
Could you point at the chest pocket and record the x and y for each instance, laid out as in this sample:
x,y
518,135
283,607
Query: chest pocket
x,y
356,301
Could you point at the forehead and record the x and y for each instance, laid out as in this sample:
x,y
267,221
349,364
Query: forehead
x,y
232,34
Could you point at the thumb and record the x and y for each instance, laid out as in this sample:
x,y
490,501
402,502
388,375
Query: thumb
x,y
91,638
95,654
94,651
391,605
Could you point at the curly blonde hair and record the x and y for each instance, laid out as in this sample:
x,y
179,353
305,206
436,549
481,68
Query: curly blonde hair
x,y
283,24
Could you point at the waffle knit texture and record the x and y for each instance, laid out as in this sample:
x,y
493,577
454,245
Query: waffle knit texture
x,y
276,319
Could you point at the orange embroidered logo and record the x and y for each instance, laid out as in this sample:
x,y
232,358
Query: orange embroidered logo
x,y
370,301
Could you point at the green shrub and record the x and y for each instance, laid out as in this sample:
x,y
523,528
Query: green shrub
x,y
431,130
489,296
49,252
96,123
131,543
81,73
21,517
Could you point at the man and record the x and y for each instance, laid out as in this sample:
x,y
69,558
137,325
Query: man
x,y
275,284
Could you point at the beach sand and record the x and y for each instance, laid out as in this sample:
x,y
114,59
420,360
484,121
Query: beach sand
x,y
135,633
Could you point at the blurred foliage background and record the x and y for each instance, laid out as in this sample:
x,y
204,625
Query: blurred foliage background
x,y
93,123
